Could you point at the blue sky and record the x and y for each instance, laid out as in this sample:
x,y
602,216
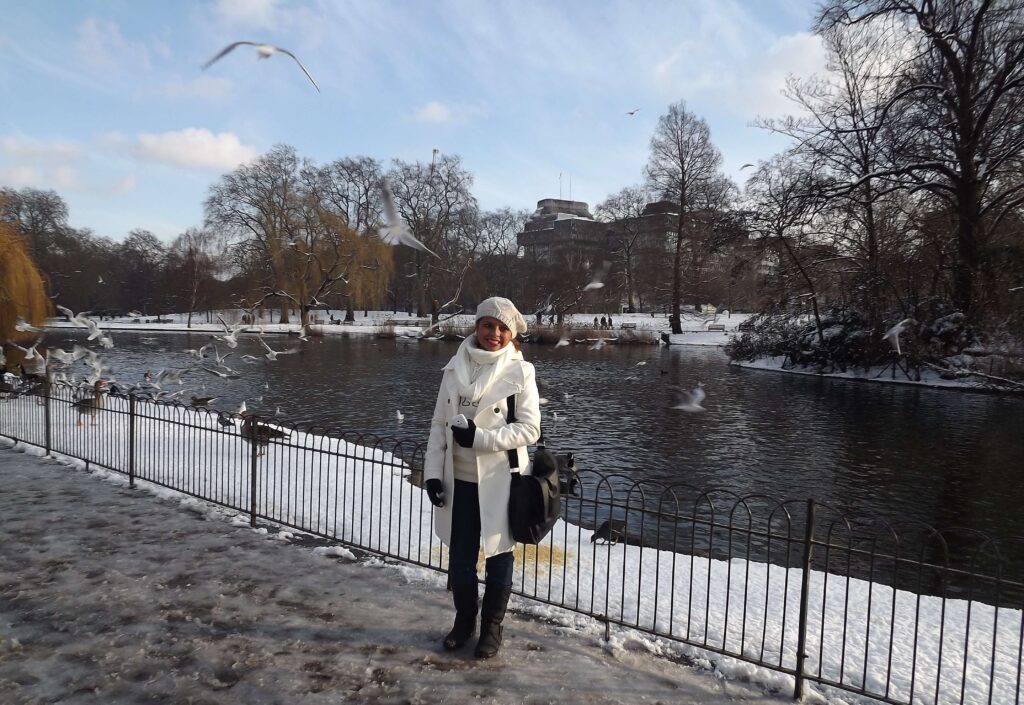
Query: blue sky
x,y
106,104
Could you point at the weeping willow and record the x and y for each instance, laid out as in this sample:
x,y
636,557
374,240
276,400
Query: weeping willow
x,y
22,291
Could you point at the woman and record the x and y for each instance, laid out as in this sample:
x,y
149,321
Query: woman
x,y
467,470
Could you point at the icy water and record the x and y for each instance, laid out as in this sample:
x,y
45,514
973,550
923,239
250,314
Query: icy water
x,y
890,451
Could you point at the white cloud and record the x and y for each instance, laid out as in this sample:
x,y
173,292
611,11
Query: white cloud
x,y
434,111
193,147
102,46
440,113
205,88
20,176
800,54
248,13
20,148
747,82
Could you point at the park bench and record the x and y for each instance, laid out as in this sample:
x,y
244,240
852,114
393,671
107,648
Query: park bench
x,y
716,326
627,326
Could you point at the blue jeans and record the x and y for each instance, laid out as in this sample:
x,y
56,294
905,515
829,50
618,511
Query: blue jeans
x,y
465,542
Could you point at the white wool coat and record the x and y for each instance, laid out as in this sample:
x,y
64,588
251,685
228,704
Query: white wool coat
x,y
494,438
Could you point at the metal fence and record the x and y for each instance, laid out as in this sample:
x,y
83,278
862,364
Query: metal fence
x,y
903,614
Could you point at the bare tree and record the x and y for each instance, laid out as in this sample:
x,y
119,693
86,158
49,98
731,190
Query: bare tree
x,y
684,167
783,197
623,211
258,206
435,201
957,104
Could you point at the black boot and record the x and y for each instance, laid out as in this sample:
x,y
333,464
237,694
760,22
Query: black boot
x,y
492,612
464,597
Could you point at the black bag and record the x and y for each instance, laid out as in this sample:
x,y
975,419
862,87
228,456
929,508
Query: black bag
x,y
534,501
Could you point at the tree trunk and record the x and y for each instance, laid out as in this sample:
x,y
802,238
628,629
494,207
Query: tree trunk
x,y
966,265
677,286
284,313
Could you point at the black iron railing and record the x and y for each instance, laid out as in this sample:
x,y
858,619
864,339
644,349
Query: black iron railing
x,y
902,614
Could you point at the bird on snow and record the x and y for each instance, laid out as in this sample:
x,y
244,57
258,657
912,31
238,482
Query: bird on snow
x,y
260,435
395,231
264,51
893,334
688,400
90,406
611,532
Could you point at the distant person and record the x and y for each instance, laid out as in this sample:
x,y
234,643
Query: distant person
x,y
604,322
610,322
595,322
467,470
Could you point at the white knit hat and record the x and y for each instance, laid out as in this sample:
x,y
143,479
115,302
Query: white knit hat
x,y
505,311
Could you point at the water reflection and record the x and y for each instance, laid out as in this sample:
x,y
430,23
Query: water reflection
x,y
897,452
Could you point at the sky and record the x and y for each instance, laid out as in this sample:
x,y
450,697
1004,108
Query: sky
x,y
106,103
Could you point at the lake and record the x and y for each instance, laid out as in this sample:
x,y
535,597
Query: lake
x,y
897,452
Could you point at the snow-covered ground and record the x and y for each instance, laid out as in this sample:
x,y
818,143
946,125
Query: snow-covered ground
x,y
694,325
109,597
928,377
892,643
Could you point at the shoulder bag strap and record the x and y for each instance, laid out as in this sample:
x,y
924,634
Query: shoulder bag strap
x,y
513,454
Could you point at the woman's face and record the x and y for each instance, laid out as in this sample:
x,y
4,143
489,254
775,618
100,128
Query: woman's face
x,y
492,334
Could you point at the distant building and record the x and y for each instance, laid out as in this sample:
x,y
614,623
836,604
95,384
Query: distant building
x,y
559,225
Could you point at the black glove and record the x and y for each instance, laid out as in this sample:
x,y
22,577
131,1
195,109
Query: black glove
x,y
435,491
464,436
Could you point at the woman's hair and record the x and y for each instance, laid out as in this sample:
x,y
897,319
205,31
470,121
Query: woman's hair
x,y
515,344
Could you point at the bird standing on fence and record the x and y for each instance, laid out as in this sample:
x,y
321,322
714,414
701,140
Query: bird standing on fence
x,y
90,406
259,434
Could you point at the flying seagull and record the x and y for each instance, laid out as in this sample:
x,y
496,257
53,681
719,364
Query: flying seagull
x,y
264,51
395,231
634,111
25,327
893,334
748,164
597,281
686,400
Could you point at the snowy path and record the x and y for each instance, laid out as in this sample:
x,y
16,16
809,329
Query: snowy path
x,y
108,595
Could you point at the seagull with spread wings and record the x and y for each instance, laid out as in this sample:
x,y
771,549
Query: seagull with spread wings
x,y
264,51
687,400
395,231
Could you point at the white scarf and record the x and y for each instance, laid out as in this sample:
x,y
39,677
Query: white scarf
x,y
476,369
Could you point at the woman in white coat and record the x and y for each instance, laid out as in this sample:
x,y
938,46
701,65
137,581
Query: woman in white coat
x,y
468,466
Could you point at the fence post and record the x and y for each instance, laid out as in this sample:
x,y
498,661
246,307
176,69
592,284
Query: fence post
x,y
805,588
131,439
252,483
46,417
